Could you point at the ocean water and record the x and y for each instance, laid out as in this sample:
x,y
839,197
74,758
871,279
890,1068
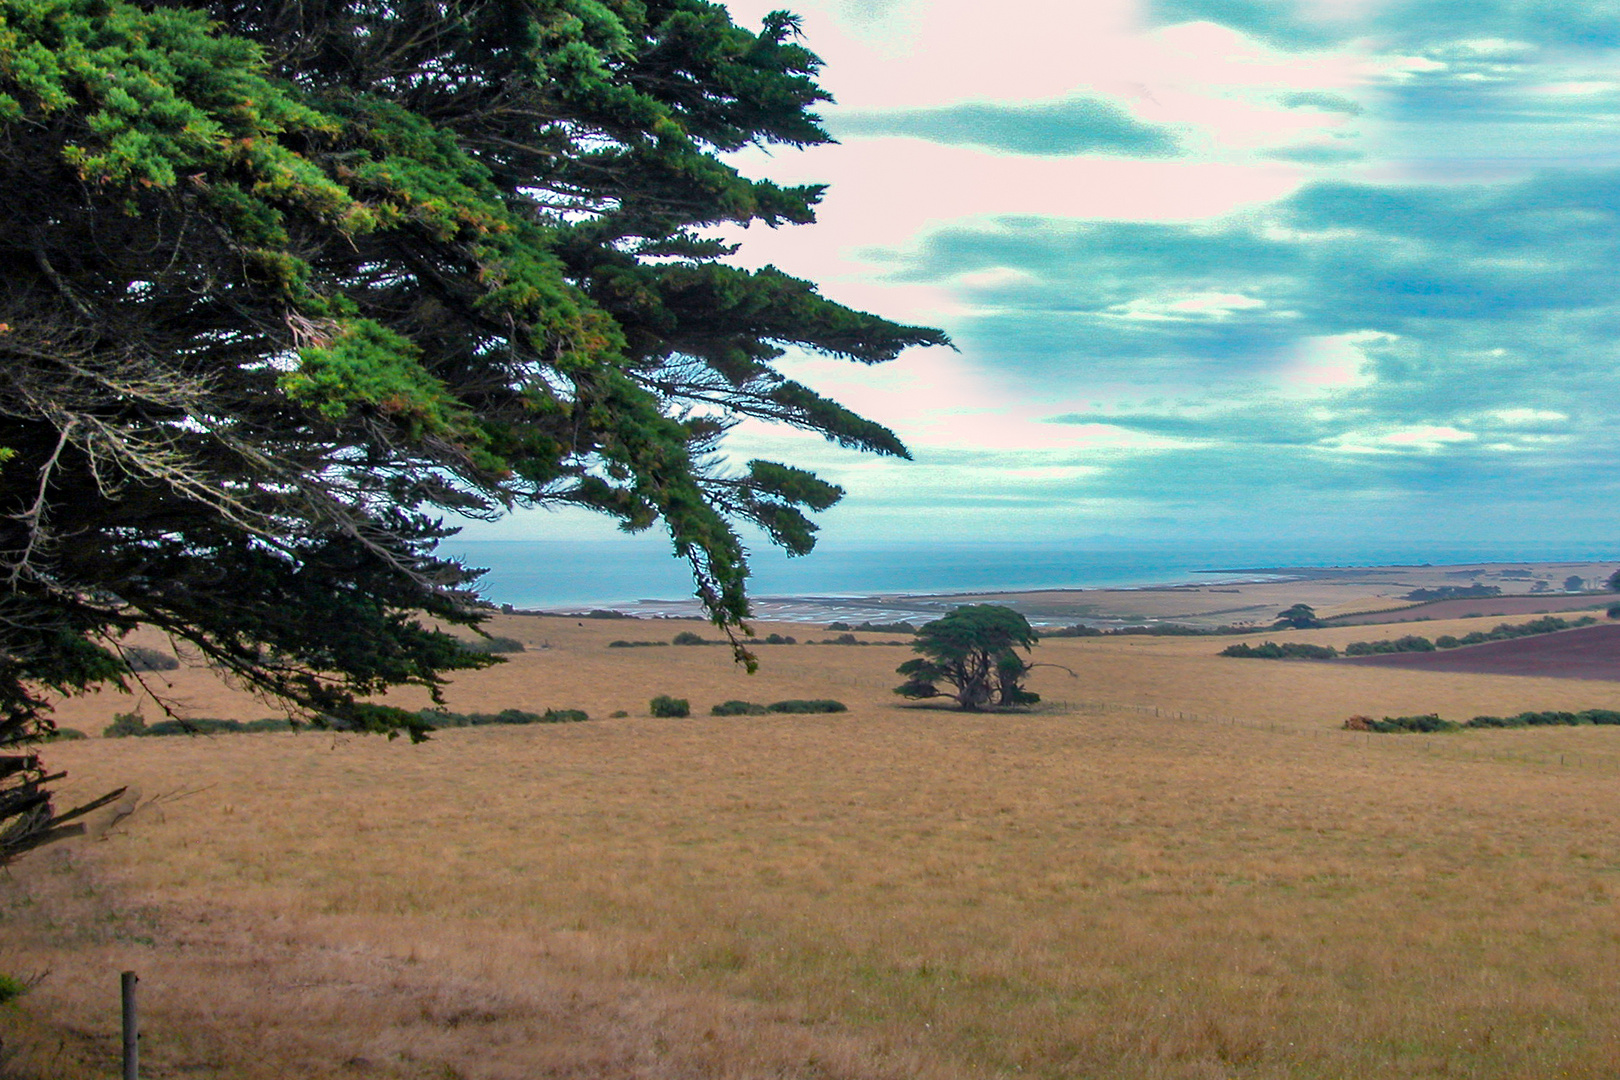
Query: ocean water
x,y
641,576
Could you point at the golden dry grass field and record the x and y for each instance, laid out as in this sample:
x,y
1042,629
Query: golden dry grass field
x,y
1231,887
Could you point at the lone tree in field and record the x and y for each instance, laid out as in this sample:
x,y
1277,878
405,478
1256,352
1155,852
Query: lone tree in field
x,y
285,283
1300,617
975,650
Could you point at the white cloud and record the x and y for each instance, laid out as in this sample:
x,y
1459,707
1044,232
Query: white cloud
x,y
1204,305
1425,439
1527,416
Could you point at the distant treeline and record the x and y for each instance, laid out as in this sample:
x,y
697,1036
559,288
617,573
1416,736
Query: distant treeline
x,y
1455,592
687,637
1155,630
876,628
1271,650
1430,722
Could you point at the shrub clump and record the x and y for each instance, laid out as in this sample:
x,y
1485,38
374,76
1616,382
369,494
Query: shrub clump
x,y
1455,592
1428,722
11,989
494,644
686,637
876,628
664,705
1549,624
133,725
143,659
125,725
1432,722
621,644
1409,643
817,705
738,708
443,718
1291,650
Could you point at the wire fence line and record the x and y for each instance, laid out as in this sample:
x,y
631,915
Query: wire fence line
x,y
1454,745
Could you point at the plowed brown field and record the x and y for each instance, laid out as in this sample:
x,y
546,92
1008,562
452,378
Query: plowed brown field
x,y
1591,652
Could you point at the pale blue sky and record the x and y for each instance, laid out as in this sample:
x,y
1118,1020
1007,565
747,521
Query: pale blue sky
x,y
1216,268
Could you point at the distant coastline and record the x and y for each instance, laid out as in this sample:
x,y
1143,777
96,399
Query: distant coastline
x,y
1202,597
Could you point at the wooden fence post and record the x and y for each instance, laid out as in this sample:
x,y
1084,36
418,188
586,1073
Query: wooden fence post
x,y
132,1031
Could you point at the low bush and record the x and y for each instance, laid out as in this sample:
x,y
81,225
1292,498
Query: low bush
x,y
125,725
634,644
1155,630
1409,643
1606,717
1431,722
818,705
66,734
1291,650
664,705
686,637
143,659
737,708
11,989
494,644
777,639
1613,611
131,724
203,725
1428,722
1167,630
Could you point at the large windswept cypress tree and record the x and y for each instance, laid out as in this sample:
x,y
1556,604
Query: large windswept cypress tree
x,y
282,285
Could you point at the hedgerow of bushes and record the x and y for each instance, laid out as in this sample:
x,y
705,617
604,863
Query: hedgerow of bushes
x,y
1409,643
1155,630
792,705
133,725
1290,650
687,637
1431,722
1295,650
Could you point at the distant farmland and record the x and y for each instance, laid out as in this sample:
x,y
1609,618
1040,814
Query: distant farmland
x,y
1591,652
1485,605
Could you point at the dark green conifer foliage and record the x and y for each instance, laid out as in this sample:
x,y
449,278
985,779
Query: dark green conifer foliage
x,y
282,284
